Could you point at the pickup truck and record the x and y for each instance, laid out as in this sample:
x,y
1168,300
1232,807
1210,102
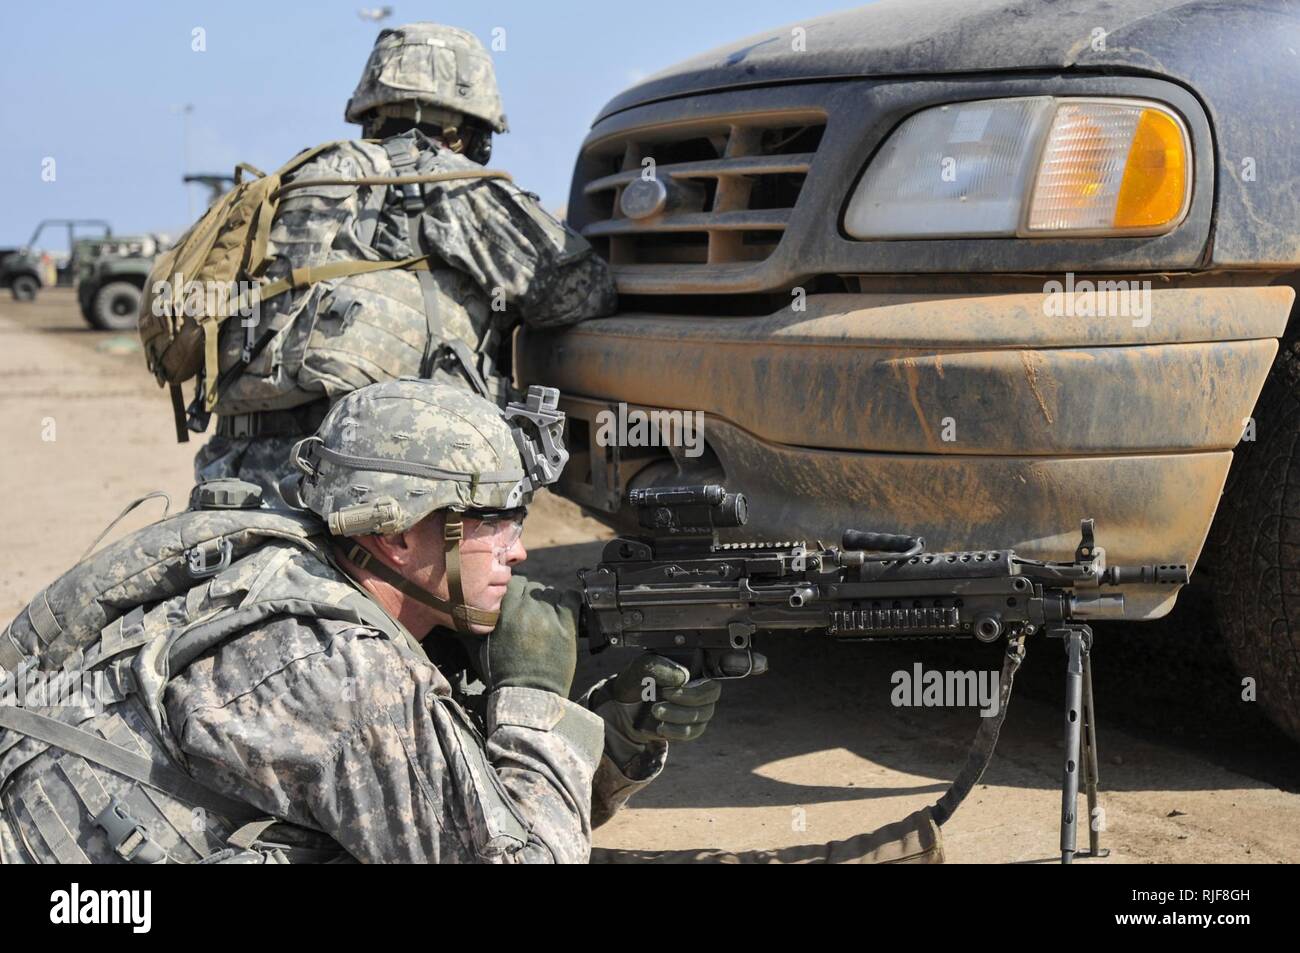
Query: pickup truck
x,y
971,270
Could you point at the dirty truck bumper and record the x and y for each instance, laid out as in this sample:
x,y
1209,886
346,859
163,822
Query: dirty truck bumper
x,y
978,421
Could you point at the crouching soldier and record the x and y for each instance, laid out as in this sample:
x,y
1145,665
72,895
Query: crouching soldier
x,y
394,255
262,682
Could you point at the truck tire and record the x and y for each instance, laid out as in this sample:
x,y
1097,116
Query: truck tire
x,y
24,287
1256,542
116,307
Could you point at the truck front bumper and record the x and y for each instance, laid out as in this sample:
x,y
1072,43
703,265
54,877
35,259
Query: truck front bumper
x,y
974,420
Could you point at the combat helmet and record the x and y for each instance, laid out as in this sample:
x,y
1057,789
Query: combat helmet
x,y
390,454
431,68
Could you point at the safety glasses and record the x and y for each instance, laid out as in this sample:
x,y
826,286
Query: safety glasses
x,y
503,527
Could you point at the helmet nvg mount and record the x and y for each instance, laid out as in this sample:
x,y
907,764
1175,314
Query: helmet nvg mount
x,y
433,68
388,455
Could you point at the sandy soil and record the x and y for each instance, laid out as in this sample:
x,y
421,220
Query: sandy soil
x,y
813,750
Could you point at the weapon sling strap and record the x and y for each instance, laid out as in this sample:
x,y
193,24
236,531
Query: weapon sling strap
x,y
986,738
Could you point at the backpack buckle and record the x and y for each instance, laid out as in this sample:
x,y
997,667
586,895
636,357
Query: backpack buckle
x,y
199,559
412,200
127,836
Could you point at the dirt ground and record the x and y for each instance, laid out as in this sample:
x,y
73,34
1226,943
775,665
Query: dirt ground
x,y
812,751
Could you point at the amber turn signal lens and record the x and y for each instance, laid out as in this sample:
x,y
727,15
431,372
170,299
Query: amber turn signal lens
x,y
1155,175
1110,167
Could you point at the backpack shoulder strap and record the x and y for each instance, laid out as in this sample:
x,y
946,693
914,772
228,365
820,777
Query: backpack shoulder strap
x,y
403,155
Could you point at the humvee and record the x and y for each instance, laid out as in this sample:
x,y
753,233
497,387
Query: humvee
x,y
972,270
111,277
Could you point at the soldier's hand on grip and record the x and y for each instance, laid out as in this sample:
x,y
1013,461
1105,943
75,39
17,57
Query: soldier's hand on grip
x,y
654,700
535,642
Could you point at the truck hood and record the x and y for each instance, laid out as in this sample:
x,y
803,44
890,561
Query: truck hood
x,y
929,37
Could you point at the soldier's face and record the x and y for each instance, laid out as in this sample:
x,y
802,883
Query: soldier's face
x,y
489,551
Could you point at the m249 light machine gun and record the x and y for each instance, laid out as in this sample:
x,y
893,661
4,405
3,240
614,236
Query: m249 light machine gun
x,y
677,590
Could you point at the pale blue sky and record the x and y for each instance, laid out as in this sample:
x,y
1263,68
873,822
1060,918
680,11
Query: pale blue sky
x,y
97,87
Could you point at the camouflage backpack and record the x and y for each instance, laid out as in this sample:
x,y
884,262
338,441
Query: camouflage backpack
x,y
89,770
210,274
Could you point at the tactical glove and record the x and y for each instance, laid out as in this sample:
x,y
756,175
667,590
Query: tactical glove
x,y
654,700
535,643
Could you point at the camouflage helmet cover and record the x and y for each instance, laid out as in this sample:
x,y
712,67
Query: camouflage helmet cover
x,y
390,454
431,65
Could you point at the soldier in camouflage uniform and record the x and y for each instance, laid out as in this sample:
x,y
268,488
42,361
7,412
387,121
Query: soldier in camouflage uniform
x,y
289,695
428,103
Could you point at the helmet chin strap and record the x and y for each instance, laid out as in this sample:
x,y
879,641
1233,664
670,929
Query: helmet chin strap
x,y
462,615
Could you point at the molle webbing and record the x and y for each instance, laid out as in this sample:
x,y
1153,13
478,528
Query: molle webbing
x,y
230,242
403,157
127,763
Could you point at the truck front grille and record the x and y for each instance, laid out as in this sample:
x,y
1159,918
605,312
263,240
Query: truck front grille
x,y
727,187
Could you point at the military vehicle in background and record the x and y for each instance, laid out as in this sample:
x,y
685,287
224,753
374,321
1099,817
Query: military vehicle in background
x,y
26,270
111,276
113,272
971,270
108,270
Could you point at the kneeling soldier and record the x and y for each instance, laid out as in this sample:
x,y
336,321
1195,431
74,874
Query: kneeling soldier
x,y
262,685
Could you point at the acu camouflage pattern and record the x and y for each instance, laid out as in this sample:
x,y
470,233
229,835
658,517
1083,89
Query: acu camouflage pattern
x,y
262,460
299,698
350,730
65,619
412,422
93,620
431,65
497,248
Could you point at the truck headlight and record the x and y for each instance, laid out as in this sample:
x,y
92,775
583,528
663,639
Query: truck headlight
x,y
1034,167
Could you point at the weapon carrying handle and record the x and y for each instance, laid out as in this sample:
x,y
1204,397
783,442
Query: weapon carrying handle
x,y
880,542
